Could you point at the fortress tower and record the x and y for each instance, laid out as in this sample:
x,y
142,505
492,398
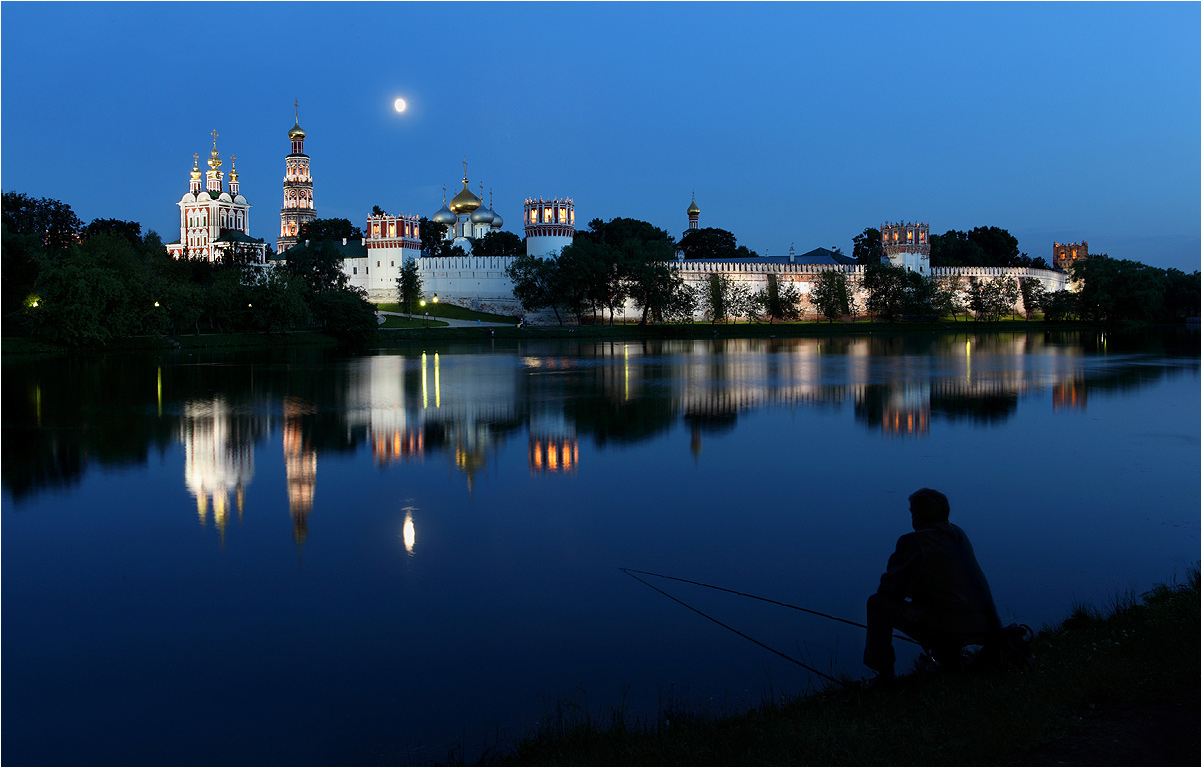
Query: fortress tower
x,y
550,225
1065,254
298,190
907,245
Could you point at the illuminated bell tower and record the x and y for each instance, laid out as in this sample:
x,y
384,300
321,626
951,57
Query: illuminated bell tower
x,y
298,189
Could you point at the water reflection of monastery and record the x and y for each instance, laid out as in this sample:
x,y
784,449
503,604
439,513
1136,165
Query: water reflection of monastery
x,y
408,408
219,458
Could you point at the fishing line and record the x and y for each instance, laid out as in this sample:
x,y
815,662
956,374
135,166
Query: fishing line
x,y
733,630
758,598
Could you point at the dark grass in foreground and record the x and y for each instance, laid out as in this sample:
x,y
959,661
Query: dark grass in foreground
x,y
1138,657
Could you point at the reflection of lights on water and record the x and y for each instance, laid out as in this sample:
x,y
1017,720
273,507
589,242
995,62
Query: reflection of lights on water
x,y
160,391
438,399
37,391
423,380
407,533
626,374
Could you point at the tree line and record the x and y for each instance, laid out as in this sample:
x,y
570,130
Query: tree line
x,y
980,247
85,285
611,262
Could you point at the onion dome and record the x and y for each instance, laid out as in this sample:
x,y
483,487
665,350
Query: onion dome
x,y
444,215
693,207
482,215
465,202
496,223
196,174
296,132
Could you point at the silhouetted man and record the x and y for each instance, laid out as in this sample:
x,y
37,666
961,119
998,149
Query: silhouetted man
x,y
933,590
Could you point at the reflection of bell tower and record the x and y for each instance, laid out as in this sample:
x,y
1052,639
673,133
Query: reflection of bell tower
x,y
300,467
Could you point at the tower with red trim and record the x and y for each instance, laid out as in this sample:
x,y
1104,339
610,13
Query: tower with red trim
x,y
550,225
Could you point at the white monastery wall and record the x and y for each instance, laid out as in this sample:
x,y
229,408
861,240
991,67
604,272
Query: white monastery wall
x,y
480,282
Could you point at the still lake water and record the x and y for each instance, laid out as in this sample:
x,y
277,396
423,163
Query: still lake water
x,y
312,557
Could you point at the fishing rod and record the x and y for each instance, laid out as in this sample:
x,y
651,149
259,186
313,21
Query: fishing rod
x,y
733,630
758,598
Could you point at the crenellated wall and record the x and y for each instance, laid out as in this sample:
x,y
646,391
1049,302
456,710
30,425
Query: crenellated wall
x,y
480,282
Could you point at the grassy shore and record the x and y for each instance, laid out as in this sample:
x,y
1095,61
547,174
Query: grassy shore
x,y
1117,686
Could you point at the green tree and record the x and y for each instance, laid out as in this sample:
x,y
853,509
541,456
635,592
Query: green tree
x,y
131,231
887,289
946,299
345,313
21,257
377,211
328,229
51,221
1181,294
780,303
409,286
656,287
432,236
535,283
712,244
921,296
500,243
866,247
990,299
1119,289
278,300
319,264
719,299
830,295
1032,292
956,249
1060,305
99,290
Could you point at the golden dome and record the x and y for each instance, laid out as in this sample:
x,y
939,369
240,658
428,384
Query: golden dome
x,y
693,207
465,202
296,132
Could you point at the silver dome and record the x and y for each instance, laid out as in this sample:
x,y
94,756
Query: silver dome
x,y
482,215
444,216
496,225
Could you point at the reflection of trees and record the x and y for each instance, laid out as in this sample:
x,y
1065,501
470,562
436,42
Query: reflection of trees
x,y
62,414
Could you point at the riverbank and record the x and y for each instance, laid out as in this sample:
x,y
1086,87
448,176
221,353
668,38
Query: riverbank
x,y
1119,687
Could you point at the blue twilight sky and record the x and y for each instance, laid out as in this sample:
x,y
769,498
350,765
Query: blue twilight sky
x,y
795,123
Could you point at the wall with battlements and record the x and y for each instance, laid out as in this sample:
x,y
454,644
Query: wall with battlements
x,y
480,282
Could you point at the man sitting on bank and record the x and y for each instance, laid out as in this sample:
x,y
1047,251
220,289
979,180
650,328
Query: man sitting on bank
x,y
933,590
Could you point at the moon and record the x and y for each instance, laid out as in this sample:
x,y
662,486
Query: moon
x,y
399,105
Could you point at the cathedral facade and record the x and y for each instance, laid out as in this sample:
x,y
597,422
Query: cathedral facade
x,y
215,222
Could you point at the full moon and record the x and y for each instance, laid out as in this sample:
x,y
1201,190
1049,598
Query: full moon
x,y
399,105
